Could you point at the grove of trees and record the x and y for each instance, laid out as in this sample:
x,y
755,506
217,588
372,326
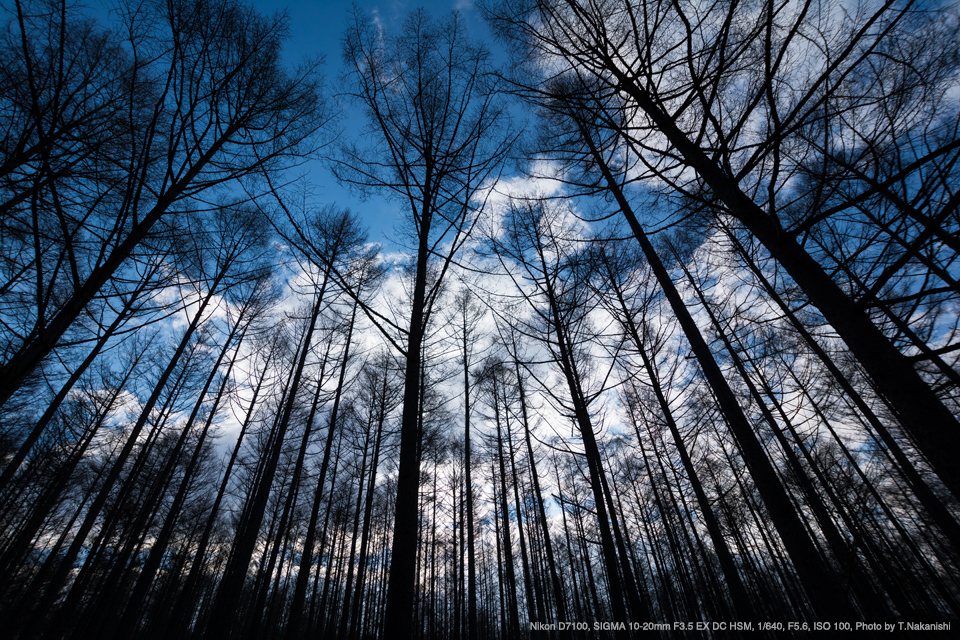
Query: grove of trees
x,y
668,331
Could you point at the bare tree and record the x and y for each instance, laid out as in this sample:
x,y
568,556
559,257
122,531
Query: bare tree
x,y
539,249
436,136
466,316
728,107
186,98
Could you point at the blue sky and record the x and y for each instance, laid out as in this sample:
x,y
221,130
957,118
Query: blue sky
x,y
316,27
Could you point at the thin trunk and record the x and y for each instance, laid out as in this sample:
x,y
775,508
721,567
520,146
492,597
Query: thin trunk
x,y
623,590
923,414
513,614
345,618
306,555
829,603
222,615
524,560
468,490
355,627
538,496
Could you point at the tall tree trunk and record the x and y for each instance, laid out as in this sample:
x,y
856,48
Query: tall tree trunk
x,y
468,491
510,586
355,625
306,555
401,591
829,603
606,520
524,560
929,421
58,579
222,615
538,496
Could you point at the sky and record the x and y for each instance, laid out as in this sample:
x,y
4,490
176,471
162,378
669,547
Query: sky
x,y
316,25
316,28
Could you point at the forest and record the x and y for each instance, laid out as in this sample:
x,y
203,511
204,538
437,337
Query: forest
x,y
665,341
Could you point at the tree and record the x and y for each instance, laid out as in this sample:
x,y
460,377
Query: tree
x,y
191,99
466,316
665,81
363,275
436,136
539,250
620,273
513,348
339,239
492,380
220,264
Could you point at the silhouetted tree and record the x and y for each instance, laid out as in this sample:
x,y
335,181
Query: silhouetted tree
x,y
436,135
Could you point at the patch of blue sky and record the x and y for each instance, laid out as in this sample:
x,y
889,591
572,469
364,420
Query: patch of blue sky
x,y
316,31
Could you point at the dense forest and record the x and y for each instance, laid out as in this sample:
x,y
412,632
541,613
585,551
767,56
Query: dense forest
x,y
668,332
